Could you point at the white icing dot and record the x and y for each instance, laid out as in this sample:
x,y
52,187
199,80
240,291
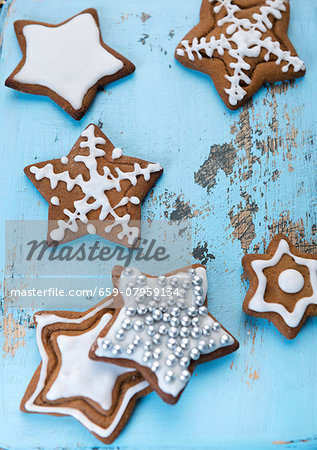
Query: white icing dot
x,y
291,281
116,153
134,200
64,160
55,201
91,228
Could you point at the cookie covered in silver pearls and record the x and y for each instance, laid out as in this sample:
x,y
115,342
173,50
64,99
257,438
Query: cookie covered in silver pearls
x,y
164,328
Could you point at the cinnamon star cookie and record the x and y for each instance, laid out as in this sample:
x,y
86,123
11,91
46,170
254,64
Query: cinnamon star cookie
x,y
241,44
283,286
95,190
67,382
164,328
67,62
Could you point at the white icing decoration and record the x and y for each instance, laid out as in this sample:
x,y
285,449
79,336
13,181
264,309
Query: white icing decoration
x,y
291,281
68,59
64,160
91,228
79,375
257,302
55,201
243,38
96,187
173,388
116,153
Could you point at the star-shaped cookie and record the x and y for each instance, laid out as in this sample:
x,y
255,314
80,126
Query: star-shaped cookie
x,y
164,328
95,190
67,382
283,286
67,62
241,44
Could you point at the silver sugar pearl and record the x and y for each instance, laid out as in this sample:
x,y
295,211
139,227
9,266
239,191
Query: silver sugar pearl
x,y
202,346
169,376
156,298
120,334
157,353
173,332
130,285
181,304
195,322
197,280
166,317
128,272
156,339
130,311
141,280
191,271
149,320
211,343
216,326
150,330
147,345
171,361
196,332
174,322
178,352
106,344
186,284
181,293
184,332
174,281
139,298
142,309
184,362
138,325
185,376
162,330
127,324
185,321
192,311
157,314
195,354
203,311
161,280
147,356
198,291
224,339
206,330
163,307
130,349
199,300
155,366
137,340
116,350
175,312
171,301
185,343
171,343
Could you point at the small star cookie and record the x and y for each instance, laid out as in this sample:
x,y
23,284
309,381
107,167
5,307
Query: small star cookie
x,y
94,190
67,62
241,44
283,286
164,328
67,382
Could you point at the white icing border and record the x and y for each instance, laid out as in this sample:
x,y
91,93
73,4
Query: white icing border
x,y
47,319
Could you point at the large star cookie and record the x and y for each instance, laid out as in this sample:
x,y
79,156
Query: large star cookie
x,y
283,286
164,328
241,44
94,189
67,62
67,382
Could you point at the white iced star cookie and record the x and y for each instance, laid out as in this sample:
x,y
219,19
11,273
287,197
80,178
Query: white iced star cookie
x,y
67,62
164,328
100,396
283,286
241,45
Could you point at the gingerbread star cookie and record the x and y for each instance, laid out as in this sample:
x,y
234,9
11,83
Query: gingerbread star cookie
x,y
67,382
241,44
95,190
67,62
283,286
164,328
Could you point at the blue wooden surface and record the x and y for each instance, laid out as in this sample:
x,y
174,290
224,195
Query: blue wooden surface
x,y
262,179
